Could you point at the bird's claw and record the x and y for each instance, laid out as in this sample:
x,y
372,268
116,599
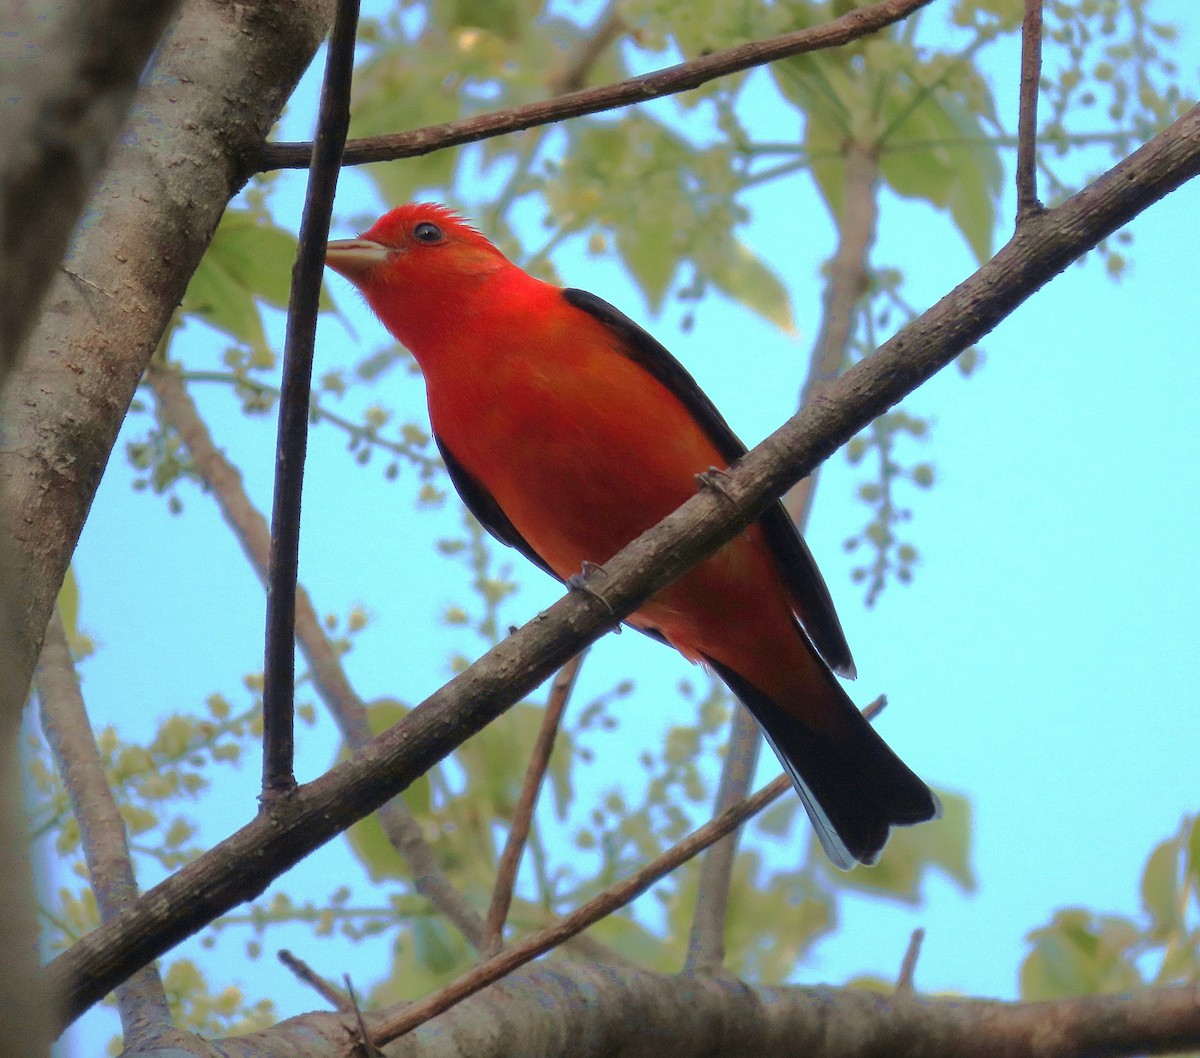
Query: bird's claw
x,y
714,479
578,582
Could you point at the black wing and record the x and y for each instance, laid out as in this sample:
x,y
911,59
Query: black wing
x,y
482,504
795,561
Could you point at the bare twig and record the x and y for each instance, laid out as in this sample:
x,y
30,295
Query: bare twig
x,y
364,1044
614,897
141,1000
315,981
279,675
574,74
325,666
848,282
908,967
851,26
518,832
706,941
1031,73
240,867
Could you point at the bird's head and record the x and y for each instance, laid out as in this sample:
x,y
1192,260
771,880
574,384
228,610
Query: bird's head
x,y
416,256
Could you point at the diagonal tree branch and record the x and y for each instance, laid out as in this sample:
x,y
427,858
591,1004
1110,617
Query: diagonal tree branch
x,y
518,832
325,666
612,899
141,1001
851,26
241,866
68,74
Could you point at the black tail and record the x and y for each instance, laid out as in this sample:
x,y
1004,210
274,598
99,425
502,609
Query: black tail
x,y
854,788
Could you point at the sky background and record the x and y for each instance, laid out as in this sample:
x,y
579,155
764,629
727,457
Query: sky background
x,y
1043,662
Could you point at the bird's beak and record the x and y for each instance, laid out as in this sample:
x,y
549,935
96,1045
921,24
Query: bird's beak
x,y
355,258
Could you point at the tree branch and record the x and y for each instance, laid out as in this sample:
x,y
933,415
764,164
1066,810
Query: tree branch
x,y
598,1012
141,1001
67,75
518,831
1031,74
612,899
279,684
240,867
851,26
325,666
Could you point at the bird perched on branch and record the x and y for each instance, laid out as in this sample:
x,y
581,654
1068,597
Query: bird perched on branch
x,y
568,431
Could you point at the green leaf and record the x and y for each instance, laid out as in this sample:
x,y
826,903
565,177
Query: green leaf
x,y
746,278
1160,888
402,88
249,260
911,851
1078,954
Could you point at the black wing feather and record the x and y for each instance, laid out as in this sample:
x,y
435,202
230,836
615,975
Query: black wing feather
x,y
795,561
482,504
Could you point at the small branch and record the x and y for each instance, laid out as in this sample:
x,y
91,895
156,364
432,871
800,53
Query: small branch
x,y
325,665
851,26
518,832
574,74
908,967
1031,74
315,981
848,282
614,897
241,866
706,942
141,1000
279,675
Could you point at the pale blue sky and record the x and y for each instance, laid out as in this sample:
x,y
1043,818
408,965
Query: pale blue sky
x,y
1043,662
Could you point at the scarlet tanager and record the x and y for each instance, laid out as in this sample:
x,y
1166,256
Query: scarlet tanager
x,y
568,431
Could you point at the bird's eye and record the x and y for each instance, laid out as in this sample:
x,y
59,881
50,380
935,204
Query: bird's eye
x,y
428,233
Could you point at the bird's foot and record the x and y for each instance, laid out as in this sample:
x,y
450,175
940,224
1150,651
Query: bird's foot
x,y
578,582
714,479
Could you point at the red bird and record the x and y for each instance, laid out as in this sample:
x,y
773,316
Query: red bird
x,y
568,431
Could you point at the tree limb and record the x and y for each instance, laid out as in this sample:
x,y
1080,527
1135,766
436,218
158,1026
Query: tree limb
x,y
279,676
244,864
141,1001
328,674
686,75
597,1012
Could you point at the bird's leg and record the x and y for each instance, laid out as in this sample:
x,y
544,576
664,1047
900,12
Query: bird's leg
x,y
578,582
714,478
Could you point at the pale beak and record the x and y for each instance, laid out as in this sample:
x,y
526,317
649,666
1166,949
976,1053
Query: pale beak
x,y
355,258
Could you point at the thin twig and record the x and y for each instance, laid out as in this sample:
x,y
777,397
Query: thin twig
x,y
518,831
706,941
325,664
848,282
1031,74
279,675
315,981
614,897
908,967
141,1000
241,866
363,1040
574,74
851,26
